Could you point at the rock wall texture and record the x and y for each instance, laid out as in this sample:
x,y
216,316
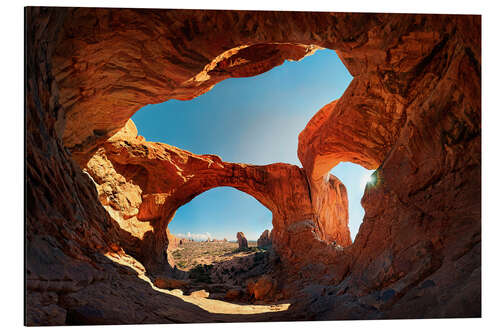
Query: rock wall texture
x,y
412,112
169,177
265,239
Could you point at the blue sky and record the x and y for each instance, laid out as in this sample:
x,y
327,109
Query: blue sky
x,y
252,120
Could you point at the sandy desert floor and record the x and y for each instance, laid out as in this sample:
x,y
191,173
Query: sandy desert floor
x,y
190,254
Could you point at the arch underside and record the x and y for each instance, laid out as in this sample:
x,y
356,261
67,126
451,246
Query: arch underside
x,y
169,177
412,112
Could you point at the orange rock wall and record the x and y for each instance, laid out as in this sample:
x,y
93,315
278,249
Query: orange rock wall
x,y
413,111
170,177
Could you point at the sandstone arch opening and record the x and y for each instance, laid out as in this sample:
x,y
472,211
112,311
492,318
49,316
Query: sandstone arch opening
x,y
220,213
263,116
253,119
206,251
413,110
331,215
355,178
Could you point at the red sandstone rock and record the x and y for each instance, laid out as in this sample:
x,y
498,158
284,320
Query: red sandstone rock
x,y
120,197
170,177
412,111
264,239
166,283
242,240
233,294
173,241
262,288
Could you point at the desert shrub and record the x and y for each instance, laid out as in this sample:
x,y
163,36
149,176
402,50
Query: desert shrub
x,y
252,249
260,256
201,273
177,254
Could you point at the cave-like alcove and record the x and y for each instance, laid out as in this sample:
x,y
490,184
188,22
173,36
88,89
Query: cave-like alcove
x,y
101,196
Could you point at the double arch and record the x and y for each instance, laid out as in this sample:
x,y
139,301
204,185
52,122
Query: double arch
x,y
111,65
89,70
108,63
170,177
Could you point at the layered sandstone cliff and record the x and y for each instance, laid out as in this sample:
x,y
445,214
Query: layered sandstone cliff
x,y
412,111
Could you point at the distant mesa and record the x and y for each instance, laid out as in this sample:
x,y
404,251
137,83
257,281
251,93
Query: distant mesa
x,y
264,240
184,241
242,240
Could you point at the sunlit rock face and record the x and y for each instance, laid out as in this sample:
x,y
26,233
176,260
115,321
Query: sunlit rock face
x,y
419,124
265,239
123,198
412,112
169,177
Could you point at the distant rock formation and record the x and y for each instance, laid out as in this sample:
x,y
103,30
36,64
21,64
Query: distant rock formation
x,y
265,239
242,240
173,241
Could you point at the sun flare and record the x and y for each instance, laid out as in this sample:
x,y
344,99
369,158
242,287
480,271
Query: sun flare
x,y
367,179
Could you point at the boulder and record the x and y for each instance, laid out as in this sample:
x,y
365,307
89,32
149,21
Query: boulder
x,y
167,283
261,288
233,294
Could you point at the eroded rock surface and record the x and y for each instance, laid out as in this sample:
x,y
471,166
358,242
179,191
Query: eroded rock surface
x,y
412,112
242,241
262,287
170,177
265,239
